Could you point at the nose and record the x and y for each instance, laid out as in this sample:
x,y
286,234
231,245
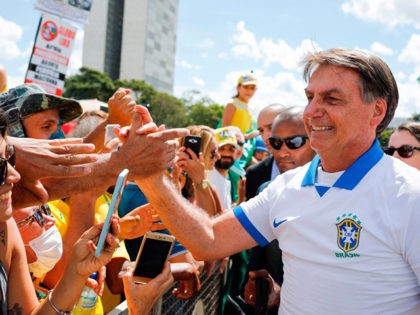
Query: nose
x,y
12,175
284,151
314,108
49,221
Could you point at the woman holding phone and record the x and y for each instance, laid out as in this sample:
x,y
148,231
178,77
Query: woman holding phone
x,y
190,171
17,292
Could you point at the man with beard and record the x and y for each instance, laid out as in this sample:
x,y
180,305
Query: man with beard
x,y
229,152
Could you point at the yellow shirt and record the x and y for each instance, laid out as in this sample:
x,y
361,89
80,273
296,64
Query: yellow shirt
x,y
241,118
61,212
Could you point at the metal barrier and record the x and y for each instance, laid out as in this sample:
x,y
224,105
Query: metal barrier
x,y
207,301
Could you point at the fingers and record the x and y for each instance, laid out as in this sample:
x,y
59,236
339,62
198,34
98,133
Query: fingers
x,y
147,128
157,226
65,171
59,142
170,134
78,148
144,114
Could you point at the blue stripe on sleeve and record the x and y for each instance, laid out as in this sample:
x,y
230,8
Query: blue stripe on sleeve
x,y
249,227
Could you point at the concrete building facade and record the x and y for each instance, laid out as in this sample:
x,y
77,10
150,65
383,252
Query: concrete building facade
x,y
133,39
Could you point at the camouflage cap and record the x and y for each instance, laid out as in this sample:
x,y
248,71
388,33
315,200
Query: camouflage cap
x,y
28,99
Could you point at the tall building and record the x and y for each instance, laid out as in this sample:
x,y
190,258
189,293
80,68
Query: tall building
x,y
133,39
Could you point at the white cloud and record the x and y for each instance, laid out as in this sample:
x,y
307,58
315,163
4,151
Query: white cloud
x,y
411,52
206,44
282,87
247,45
76,57
198,81
267,50
409,102
186,65
10,36
381,49
222,55
388,12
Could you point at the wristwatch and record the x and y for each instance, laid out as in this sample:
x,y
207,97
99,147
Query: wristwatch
x,y
203,185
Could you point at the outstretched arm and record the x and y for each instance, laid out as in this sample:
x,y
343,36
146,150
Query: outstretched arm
x,y
206,238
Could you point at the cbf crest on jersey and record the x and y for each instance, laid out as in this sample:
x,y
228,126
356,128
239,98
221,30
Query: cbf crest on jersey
x,y
348,232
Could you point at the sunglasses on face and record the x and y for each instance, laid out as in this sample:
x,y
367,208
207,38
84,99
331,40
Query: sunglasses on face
x,y
293,142
37,216
405,151
11,159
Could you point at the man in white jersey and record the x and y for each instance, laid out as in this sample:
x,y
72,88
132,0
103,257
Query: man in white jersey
x,y
347,222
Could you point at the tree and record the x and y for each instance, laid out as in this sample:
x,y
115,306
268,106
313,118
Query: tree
x,y
200,114
415,117
89,84
168,110
142,91
202,110
384,138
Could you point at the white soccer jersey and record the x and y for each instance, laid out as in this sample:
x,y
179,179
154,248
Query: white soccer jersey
x,y
351,249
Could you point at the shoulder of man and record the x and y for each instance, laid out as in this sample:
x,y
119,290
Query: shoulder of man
x,y
266,163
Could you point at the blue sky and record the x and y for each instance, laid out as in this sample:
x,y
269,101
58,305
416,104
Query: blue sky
x,y
218,40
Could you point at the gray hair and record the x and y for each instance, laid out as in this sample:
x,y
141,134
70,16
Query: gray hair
x,y
376,79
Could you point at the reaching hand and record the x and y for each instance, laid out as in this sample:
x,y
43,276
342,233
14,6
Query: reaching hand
x,y
273,288
189,281
139,221
147,154
142,297
37,159
121,107
83,255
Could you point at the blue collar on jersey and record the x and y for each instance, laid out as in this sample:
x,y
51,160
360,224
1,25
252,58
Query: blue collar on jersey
x,y
354,174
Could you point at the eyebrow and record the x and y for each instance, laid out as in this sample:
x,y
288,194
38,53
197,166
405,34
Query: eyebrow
x,y
330,91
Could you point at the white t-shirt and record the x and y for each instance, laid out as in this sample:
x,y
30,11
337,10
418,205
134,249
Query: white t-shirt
x,y
353,248
222,186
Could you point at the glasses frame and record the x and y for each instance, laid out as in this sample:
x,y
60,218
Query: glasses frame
x,y
11,159
36,216
405,151
287,141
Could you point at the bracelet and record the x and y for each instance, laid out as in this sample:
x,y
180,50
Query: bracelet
x,y
59,312
203,185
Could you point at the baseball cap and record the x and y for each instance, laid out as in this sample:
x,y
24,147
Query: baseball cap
x,y
260,145
247,79
30,98
225,136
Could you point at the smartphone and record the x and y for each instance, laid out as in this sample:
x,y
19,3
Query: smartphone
x,y
113,206
194,143
153,254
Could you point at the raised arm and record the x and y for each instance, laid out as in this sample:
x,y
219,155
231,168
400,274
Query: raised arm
x,y
206,238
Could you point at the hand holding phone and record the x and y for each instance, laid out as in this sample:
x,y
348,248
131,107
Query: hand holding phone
x,y
194,143
113,206
153,254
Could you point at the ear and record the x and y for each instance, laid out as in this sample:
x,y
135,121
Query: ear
x,y
379,111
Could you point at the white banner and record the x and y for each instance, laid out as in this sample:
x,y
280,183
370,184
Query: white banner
x,y
75,10
51,54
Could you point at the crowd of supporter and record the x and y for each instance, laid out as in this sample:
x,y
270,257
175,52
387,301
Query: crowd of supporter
x,y
56,189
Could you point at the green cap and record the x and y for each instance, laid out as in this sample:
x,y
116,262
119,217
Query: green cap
x,y
30,98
